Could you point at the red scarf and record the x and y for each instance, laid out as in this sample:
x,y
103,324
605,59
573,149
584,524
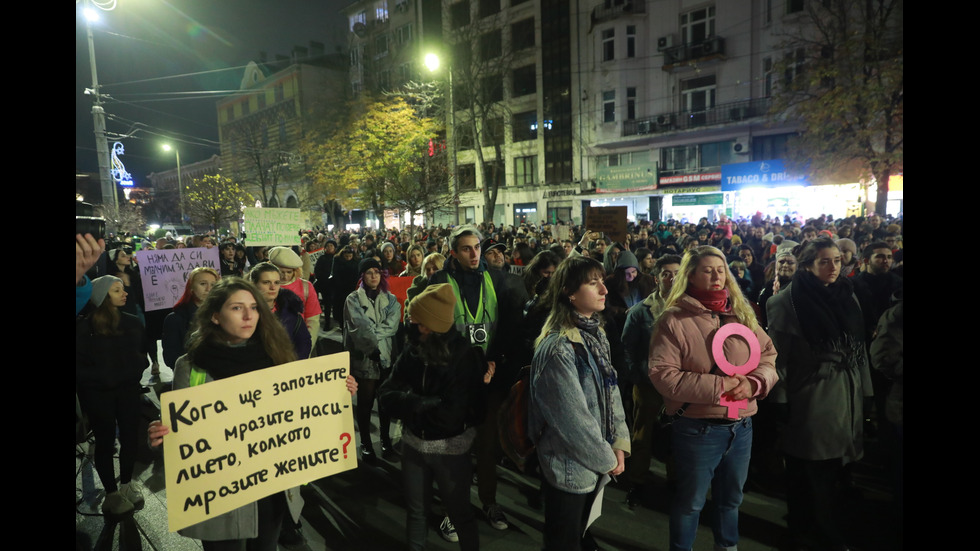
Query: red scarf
x,y
716,301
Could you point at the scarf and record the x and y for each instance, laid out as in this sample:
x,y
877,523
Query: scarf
x,y
221,360
829,316
597,346
716,301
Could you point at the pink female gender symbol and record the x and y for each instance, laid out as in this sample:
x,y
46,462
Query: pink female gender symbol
x,y
718,353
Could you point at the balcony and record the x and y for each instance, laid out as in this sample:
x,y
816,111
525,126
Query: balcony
x,y
685,120
711,48
610,10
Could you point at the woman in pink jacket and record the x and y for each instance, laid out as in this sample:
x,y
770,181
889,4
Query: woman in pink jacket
x,y
711,441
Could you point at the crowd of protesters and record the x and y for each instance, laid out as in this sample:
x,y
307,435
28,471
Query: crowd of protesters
x,y
638,314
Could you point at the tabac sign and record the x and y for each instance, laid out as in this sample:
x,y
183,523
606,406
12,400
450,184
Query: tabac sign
x,y
758,174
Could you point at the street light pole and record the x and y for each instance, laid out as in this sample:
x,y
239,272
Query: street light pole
x,y
109,196
432,62
180,183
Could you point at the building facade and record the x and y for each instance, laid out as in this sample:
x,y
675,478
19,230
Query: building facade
x,y
261,126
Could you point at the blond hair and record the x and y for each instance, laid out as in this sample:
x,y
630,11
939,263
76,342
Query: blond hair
x,y
740,305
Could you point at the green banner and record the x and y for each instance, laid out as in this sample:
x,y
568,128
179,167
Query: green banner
x,y
635,177
707,199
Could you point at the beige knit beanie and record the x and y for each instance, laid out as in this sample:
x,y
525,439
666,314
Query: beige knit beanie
x,y
433,307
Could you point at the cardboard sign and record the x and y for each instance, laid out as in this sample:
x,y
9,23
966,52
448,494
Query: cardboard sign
x,y
609,220
237,440
272,226
563,232
164,273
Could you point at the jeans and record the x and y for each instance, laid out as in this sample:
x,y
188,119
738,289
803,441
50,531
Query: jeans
x,y
452,473
707,456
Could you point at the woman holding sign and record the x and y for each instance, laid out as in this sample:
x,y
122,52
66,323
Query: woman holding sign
x,y
824,377
710,361
235,333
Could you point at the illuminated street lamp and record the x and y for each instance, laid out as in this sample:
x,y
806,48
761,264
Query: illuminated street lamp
x,y
98,113
180,183
432,63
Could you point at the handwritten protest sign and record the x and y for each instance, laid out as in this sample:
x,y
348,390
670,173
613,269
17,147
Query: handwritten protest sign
x,y
271,226
610,220
164,273
237,440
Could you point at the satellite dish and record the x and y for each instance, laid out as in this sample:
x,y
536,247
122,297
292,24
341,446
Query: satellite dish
x,y
360,29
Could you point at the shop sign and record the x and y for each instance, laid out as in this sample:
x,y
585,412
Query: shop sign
x,y
560,193
635,177
758,174
690,178
688,189
689,200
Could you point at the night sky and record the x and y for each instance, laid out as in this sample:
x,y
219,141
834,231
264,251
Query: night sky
x,y
157,58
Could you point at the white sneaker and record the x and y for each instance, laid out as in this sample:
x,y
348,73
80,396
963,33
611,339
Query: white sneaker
x,y
496,517
448,531
116,504
133,492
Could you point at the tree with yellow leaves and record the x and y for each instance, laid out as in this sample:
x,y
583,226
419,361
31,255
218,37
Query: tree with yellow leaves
x,y
378,158
215,200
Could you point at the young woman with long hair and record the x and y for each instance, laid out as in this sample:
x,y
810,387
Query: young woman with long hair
x,y
711,449
110,356
284,303
177,322
576,413
235,333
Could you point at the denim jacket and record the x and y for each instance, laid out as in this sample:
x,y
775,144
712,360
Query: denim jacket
x,y
565,417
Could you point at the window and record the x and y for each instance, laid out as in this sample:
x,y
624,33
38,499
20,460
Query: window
x,y
698,96
464,135
494,131
769,147
384,79
631,104
359,18
460,14
522,34
406,72
794,6
524,126
617,159
794,65
609,106
489,7
631,41
491,45
713,155
525,79
492,88
381,10
526,170
680,159
698,25
355,57
609,44
466,177
403,34
380,46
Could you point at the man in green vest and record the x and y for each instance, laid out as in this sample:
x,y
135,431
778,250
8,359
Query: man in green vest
x,y
481,302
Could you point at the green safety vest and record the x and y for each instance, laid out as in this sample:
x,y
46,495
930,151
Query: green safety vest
x,y
486,311
198,376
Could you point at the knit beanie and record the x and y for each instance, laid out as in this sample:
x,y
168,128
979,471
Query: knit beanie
x,y
434,307
368,263
845,244
785,248
284,257
627,260
100,288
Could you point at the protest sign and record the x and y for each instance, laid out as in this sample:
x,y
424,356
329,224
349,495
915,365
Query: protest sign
x,y
271,226
610,220
237,440
164,273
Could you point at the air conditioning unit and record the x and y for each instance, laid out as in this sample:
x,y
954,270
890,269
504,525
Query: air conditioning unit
x,y
741,146
665,42
643,127
664,121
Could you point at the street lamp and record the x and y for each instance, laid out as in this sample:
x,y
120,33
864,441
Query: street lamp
x,y
432,62
98,113
180,183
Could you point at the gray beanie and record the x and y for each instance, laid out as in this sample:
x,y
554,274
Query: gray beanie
x,y
785,248
100,288
627,260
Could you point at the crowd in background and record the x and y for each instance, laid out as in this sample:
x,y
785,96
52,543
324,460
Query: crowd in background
x,y
823,297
